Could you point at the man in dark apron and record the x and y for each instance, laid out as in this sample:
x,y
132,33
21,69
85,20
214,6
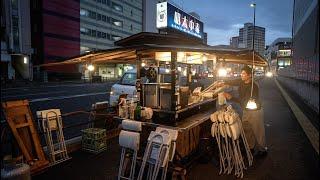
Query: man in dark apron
x,y
252,120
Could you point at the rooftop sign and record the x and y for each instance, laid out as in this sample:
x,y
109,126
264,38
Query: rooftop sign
x,y
169,16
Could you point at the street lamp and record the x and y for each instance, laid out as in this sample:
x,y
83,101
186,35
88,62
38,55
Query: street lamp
x,y
25,60
252,105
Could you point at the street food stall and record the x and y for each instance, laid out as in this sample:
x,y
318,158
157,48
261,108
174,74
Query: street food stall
x,y
168,97
164,119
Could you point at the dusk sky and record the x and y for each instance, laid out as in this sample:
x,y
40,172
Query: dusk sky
x,y
223,18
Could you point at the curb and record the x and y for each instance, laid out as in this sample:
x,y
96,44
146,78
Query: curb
x,y
311,132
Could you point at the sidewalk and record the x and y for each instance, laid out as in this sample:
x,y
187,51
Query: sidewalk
x,y
291,155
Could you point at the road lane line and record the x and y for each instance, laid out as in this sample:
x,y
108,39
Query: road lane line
x,y
66,97
56,92
311,132
63,85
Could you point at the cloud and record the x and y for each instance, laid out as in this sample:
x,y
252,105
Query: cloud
x,y
219,37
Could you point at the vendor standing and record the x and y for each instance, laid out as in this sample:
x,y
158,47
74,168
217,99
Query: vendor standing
x,y
252,119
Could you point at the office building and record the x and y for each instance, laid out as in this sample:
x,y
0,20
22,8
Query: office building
x,y
234,42
15,40
104,21
278,54
246,34
63,29
302,77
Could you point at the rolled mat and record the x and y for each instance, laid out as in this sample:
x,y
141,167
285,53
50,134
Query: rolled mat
x,y
131,125
129,140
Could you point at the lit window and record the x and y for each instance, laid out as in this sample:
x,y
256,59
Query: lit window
x,y
84,12
117,23
83,48
117,7
115,37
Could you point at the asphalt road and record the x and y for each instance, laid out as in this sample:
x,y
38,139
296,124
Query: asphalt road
x,y
290,154
66,97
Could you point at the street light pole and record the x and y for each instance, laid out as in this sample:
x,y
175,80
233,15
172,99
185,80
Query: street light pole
x,y
253,36
251,103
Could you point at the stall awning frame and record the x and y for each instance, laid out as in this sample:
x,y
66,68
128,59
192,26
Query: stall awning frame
x,y
129,54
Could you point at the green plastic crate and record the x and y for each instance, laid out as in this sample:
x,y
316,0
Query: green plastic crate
x,y
93,133
93,145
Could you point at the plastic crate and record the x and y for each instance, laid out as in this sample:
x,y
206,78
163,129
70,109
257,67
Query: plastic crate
x,y
93,133
94,146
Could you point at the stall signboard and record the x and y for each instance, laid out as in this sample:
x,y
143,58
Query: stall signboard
x,y
171,17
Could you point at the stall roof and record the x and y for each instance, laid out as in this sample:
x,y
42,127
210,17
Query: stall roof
x,y
128,54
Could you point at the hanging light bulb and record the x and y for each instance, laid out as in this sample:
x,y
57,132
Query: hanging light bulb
x,y
252,105
90,67
143,64
222,72
167,70
269,74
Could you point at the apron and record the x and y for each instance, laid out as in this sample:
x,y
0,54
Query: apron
x,y
253,125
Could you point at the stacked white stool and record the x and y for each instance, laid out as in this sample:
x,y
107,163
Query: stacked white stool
x,y
129,140
159,151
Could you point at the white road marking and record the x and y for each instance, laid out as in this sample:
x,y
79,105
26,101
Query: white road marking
x,y
56,92
308,128
63,85
66,97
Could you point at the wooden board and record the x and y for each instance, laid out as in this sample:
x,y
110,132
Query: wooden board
x,y
19,118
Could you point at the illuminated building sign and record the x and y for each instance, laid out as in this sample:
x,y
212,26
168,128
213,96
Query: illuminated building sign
x,y
168,16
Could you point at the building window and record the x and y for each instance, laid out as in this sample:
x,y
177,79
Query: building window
x,y
115,37
117,22
15,33
84,31
93,33
84,12
131,27
99,17
104,35
92,15
131,13
117,7
98,34
104,18
14,4
104,1
84,49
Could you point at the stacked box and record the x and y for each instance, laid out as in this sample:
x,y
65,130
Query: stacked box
x,y
94,140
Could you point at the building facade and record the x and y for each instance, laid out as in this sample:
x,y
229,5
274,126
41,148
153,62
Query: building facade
x,y
65,29
246,35
278,54
15,40
302,77
104,21
234,42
